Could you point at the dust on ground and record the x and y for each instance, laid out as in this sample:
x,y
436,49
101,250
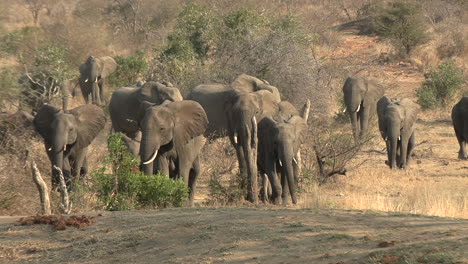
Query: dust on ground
x,y
240,235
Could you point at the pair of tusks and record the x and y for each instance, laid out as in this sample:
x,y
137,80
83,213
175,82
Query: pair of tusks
x,y
399,138
357,110
152,158
64,148
88,80
281,164
254,121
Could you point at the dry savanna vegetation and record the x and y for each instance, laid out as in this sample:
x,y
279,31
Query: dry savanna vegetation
x,y
352,207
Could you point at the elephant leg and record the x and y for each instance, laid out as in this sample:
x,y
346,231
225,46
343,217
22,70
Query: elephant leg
x,y
354,123
242,166
389,158
161,166
364,121
461,139
252,182
270,171
411,145
297,167
84,169
193,175
101,90
404,150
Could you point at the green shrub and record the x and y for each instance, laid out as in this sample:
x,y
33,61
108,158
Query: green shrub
x,y
128,188
130,69
402,23
440,85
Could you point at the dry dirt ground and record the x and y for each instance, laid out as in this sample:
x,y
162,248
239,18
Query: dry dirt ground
x,y
241,235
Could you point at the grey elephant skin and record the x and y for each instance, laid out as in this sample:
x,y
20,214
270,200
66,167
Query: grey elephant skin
x,y
360,97
213,99
396,125
67,135
172,139
460,125
92,77
125,104
279,141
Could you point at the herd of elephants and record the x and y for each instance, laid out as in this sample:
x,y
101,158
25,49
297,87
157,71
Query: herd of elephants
x,y
168,131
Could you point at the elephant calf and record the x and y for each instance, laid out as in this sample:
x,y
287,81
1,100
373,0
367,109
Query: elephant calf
x,y
460,124
396,125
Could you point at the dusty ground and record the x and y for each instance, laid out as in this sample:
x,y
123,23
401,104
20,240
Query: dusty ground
x,y
241,235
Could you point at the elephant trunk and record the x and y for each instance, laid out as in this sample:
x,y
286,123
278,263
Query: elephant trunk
x,y
353,102
58,148
393,138
286,156
248,137
148,152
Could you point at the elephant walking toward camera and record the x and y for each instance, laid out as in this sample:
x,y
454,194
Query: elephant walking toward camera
x,y
92,77
360,97
172,135
460,125
396,125
67,135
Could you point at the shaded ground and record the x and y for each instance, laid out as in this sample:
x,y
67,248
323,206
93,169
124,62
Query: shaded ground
x,y
240,235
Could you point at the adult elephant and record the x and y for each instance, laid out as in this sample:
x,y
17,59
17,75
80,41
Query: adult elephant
x,y
92,77
360,97
396,125
243,111
126,101
460,124
67,135
213,99
172,134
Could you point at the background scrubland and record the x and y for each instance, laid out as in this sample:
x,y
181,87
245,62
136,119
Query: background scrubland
x,y
305,48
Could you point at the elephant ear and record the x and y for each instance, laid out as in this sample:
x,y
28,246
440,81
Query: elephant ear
x,y
411,112
108,66
300,129
190,120
381,108
374,91
90,121
43,120
267,102
287,110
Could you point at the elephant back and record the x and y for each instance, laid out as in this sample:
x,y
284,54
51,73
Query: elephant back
x,y
247,84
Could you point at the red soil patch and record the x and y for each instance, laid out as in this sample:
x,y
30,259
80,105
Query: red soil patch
x,y
59,222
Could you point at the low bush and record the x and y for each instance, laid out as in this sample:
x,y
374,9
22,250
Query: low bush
x,y
130,69
128,188
440,85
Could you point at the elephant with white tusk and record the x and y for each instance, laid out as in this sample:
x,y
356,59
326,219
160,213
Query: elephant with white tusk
x,y
67,135
360,96
92,77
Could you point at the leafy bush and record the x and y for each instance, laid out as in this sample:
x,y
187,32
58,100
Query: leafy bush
x,y
130,69
402,23
440,85
128,188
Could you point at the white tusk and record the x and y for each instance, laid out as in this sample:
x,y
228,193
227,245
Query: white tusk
x,y
65,148
152,158
295,161
254,120
386,138
235,138
344,110
399,138
281,164
86,80
49,149
95,80
358,107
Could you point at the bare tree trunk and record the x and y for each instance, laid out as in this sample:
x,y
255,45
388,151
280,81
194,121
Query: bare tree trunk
x,y
42,187
66,204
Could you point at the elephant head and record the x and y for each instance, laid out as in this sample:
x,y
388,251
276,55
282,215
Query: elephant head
x,y
92,75
279,141
68,134
360,97
156,92
168,126
246,84
396,125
